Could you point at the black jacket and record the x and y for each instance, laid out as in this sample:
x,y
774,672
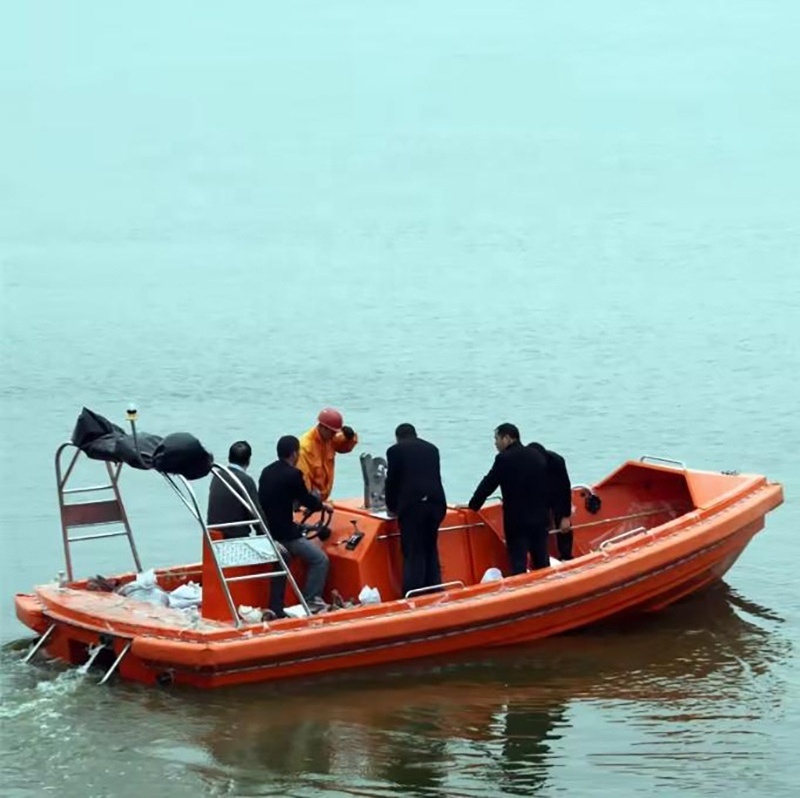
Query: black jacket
x,y
521,474
559,487
280,486
225,508
413,475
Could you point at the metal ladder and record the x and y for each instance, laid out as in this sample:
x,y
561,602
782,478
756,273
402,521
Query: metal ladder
x,y
257,549
90,513
81,514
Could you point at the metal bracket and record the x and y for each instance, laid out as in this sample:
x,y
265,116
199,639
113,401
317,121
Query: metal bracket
x,y
39,643
116,662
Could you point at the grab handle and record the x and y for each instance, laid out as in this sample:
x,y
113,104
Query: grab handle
x,y
669,461
457,583
622,536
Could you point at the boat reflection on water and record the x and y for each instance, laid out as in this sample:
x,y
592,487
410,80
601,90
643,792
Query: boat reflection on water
x,y
494,722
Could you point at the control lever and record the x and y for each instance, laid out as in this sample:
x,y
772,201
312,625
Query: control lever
x,y
355,538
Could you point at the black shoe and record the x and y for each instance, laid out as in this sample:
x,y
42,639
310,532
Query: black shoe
x,y
317,604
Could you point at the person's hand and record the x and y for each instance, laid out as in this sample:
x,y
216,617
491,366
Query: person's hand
x,y
348,433
324,533
566,525
327,506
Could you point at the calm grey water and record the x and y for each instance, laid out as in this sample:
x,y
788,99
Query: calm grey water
x,y
581,217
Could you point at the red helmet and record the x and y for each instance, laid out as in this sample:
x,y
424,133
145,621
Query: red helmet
x,y
331,418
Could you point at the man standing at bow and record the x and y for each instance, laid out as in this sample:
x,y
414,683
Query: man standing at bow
x,y
521,474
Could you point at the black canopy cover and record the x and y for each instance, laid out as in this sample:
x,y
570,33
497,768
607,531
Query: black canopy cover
x,y
178,453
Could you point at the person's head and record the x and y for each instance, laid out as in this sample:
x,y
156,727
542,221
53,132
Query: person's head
x,y
288,449
405,432
329,422
505,435
239,454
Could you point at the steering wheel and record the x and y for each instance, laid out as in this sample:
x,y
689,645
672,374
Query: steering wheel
x,y
321,529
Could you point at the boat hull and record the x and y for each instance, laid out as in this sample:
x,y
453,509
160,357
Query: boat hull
x,y
159,660
638,572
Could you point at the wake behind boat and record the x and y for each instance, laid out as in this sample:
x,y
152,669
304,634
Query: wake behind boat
x,y
648,534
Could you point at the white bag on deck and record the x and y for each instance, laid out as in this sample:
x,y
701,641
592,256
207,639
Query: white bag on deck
x,y
369,595
250,614
185,596
145,588
491,575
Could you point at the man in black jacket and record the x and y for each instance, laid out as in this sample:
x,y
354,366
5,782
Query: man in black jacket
x,y
280,486
521,473
559,499
224,504
415,494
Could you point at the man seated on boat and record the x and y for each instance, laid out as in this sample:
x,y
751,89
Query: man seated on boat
x,y
415,494
279,487
559,499
521,474
318,449
224,505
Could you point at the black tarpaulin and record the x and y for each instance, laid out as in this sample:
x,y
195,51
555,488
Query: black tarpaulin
x,y
181,453
178,453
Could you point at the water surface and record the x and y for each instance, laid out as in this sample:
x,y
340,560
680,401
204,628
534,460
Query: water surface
x,y
581,218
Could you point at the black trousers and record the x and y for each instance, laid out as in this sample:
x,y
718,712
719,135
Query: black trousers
x,y
564,541
277,591
521,540
419,531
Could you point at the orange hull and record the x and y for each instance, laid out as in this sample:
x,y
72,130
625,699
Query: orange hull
x,y
662,534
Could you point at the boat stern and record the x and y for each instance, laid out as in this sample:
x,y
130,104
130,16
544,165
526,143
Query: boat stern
x,y
30,612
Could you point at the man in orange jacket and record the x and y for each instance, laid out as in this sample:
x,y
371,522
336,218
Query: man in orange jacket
x,y
318,448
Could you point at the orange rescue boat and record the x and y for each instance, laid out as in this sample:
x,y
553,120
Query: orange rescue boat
x,y
650,533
